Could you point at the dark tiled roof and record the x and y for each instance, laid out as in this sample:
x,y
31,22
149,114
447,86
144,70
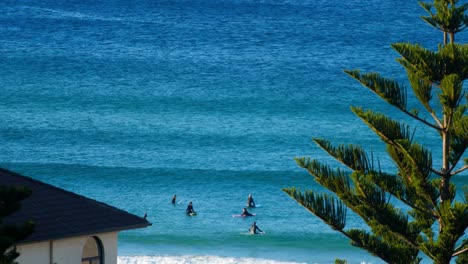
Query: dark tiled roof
x,y
58,213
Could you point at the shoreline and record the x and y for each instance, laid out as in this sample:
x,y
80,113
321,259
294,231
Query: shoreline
x,y
199,259
167,254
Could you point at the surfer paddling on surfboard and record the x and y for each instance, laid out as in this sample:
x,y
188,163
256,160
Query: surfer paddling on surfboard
x,y
250,201
246,213
189,210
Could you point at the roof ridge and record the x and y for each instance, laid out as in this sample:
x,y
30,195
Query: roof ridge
x,y
64,190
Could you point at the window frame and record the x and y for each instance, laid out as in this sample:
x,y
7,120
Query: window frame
x,y
100,249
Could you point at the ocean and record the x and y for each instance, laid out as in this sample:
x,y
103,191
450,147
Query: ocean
x,y
132,101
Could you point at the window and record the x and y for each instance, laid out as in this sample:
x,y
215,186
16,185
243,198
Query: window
x,y
92,251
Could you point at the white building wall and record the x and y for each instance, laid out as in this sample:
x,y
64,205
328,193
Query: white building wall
x,y
66,251
33,253
109,240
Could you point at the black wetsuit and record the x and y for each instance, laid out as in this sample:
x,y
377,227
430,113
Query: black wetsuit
x,y
254,228
250,202
189,209
246,213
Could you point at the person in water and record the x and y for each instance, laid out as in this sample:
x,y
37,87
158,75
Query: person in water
x,y
250,201
189,209
245,212
254,229
173,199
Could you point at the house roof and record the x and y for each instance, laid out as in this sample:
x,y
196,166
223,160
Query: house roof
x,y
58,213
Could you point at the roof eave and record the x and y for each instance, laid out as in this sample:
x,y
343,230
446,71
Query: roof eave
x,y
87,233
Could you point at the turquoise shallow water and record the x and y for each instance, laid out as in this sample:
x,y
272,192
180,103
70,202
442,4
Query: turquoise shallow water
x,y
130,102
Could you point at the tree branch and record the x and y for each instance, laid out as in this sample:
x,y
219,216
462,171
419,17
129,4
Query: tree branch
x,y
460,170
439,173
460,252
424,121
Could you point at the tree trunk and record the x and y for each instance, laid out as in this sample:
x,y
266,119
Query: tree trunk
x,y
445,181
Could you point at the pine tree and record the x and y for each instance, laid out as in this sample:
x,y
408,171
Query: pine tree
x,y
432,221
10,234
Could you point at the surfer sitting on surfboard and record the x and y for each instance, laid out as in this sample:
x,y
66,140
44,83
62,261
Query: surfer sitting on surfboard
x,y
245,213
250,201
254,229
189,209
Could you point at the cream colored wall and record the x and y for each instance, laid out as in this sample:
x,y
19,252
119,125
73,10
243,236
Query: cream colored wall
x,y
109,241
33,253
66,251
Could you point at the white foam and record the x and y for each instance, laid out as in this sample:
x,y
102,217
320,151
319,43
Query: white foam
x,y
190,259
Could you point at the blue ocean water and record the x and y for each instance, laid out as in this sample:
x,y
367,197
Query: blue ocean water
x,y
129,102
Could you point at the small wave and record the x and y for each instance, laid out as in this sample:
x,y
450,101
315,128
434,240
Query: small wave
x,y
63,14
190,259
57,14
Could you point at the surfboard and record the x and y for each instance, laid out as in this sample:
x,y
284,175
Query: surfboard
x,y
252,234
248,233
192,214
240,215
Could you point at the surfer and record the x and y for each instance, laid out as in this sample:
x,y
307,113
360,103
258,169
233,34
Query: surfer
x,y
245,212
254,229
250,201
189,209
174,199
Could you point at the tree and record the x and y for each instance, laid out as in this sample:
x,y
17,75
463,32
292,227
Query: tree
x,y
10,234
432,220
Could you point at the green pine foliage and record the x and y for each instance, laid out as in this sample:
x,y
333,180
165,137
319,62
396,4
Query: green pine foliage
x,y
433,222
10,234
